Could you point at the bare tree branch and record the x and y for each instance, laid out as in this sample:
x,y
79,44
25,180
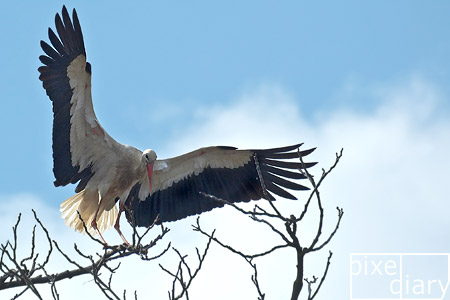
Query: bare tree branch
x,y
312,295
30,271
178,276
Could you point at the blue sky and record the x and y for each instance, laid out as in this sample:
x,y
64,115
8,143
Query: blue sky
x,y
370,76
168,60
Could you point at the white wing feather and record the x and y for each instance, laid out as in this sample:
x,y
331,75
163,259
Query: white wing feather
x,y
89,142
166,172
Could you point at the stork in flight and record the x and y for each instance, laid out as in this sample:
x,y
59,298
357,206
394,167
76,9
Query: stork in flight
x,y
147,188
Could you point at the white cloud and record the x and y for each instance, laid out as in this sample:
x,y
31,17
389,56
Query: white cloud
x,y
391,181
391,184
258,118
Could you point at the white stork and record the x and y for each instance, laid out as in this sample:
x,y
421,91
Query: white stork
x,y
107,171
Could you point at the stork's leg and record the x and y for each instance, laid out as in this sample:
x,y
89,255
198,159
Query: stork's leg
x,y
117,225
94,221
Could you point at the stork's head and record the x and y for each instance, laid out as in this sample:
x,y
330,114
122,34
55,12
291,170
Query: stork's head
x,y
148,158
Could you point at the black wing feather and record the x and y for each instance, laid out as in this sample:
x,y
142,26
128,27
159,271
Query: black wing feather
x,y
283,182
279,191
187,197
56,42
52,53
286,164
282,172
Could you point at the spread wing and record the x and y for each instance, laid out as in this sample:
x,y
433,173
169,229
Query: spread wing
x,y
80,144
180,185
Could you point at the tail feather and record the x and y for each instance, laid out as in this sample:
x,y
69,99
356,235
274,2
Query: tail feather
x,y
85,203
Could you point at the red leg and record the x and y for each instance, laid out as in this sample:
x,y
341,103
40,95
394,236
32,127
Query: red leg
x,y
117,225
94,221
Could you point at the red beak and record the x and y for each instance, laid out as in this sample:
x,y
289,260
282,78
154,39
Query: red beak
x,y
150,173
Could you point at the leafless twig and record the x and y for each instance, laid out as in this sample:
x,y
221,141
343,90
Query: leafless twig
x,y
183,267
31,270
